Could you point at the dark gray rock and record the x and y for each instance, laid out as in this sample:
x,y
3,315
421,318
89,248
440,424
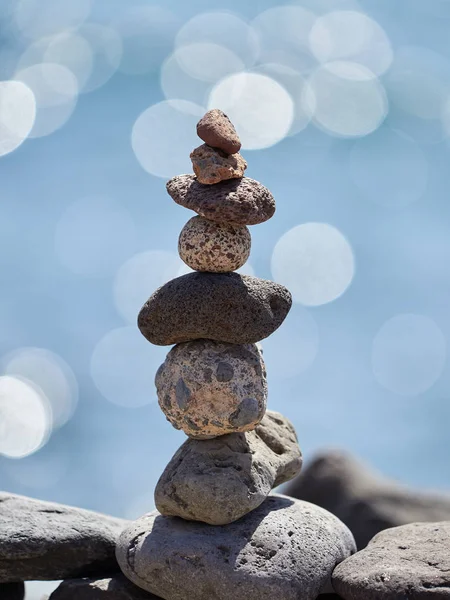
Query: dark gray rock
x,y
284,549
226,307
12,591
364,500
47,541
238,201
216,129
411,562
110,588
220,480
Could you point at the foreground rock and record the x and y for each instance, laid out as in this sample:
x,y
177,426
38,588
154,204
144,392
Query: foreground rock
x,y
216,129
215,247
47,541
226,307
212,165
364,500
12,591
111,588
409,562
238,201
219,481
210,388
285,549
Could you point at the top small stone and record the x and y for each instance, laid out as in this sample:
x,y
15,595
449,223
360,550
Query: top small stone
x,y
216,130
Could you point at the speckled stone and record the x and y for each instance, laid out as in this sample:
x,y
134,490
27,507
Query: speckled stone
x,y
239,201
219,481
226,307
212,165
12,591
48,541
284,549
216,129
411,562
208,246
109,588
211,388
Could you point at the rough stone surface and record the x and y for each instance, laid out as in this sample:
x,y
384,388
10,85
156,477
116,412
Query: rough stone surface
x,y
411,562
216,247
212,165
110,588
239,201
219,481
284,549
12,591
216,129
226,307
211,388
47,541
364,500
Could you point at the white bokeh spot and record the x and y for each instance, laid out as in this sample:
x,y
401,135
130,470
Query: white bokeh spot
x,y
17,114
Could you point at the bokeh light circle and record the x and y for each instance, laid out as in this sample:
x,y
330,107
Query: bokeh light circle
x,y
51,374
389,168
164,135
25,417
17,114
72,51
56,93
106,54
176,84
351,35
408,354
223,28
208,62
139,277
94,236
315,262
259,107
123,367
38,18
345,99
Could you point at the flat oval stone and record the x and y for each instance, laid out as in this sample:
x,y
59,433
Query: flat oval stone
x,y
411,562
209,388
284,549
215,247
212,165
226,307
48,541
109,588
239,201
12,591
219,481
216,129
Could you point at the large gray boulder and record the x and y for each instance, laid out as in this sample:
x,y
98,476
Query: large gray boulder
x,y
108,588
220,480
284,549
363,499
411,562
48,541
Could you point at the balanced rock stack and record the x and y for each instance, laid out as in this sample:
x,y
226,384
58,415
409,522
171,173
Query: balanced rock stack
x,y
217,532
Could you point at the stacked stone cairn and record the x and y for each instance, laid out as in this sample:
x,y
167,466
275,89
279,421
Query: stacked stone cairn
x,y
217,532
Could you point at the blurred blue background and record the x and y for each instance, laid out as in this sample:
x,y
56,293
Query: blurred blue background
x,y
343,108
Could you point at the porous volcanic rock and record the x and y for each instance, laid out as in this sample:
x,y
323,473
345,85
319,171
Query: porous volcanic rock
x,y
363,499
219,481
410,562
242,201
216,129
226,307
212,165
209,388
47,541
285,549
215,247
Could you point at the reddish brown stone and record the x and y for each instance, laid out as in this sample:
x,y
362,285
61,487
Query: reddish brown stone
x,y
216,129
212,165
